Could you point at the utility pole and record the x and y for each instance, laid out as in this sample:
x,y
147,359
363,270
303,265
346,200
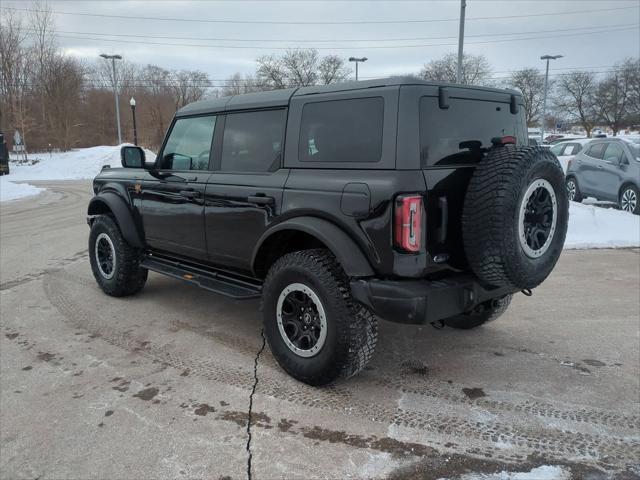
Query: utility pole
x,y
463,7
546,88
113,59
357,60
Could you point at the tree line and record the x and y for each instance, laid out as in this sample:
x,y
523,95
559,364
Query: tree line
x,y
58,101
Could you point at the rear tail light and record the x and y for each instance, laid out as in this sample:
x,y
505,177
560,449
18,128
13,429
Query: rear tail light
x,y
408,222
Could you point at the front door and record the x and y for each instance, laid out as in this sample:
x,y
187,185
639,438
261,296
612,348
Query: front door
x,y
245,192
173,199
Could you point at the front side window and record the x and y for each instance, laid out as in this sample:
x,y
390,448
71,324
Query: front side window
x,y
189,144
342,131
252,141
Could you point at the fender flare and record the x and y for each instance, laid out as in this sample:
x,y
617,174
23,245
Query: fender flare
x,y
346,251
121,212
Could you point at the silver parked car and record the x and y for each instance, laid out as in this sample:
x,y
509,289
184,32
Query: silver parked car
x,y
607,169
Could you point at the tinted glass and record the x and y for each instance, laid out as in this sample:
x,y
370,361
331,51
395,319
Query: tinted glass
x,y
597,150
455,135
614,153
342,131
253,141
189,144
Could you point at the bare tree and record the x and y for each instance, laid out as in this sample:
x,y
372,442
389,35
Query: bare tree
x,y
575,96
271,72
614,96
158,99
476,69
332,69
189,86
44,46
531,83
300,68
238,84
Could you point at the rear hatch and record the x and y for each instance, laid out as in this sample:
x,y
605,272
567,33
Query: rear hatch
x,y
453,138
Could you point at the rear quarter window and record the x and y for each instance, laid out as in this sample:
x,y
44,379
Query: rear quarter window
x,y
453,136
342,131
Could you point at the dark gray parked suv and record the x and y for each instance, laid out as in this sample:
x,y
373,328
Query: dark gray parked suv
x,y
607,169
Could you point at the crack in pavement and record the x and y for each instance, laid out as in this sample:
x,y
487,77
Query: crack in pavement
x,y
253,391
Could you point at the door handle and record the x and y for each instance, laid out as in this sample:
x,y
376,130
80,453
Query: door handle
x,y
600,166
261,199
190,193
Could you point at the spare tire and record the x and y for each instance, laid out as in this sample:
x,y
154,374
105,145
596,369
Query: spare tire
x,y
515,215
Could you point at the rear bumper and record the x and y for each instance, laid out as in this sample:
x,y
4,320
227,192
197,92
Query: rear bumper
x,y
422,301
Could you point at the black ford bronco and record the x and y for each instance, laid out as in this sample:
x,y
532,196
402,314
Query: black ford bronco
x,y
410,201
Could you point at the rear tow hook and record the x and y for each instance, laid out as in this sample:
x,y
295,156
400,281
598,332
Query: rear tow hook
x,y
527,292
438,324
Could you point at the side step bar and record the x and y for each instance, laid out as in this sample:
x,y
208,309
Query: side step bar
x,y
216,281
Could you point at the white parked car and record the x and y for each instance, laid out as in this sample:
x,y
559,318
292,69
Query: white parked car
x,y
566,150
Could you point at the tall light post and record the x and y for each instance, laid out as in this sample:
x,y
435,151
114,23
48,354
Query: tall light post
x,y
132,102
463,7
113,59
357,60
546,88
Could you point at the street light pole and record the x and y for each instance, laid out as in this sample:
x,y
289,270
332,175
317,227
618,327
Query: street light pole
x,y
132,102
357,60
546,88
113,59
463,6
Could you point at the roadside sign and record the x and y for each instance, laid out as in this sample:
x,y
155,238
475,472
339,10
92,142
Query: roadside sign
x,y
17,139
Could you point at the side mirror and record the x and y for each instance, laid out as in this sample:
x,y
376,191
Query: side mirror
x,y
132,157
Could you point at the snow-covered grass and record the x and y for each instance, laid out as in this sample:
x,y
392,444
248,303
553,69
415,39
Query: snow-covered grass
x,y
14,191
82,163
596,227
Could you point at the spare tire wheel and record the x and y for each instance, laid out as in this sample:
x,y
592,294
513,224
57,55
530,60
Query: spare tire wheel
x,y
515,216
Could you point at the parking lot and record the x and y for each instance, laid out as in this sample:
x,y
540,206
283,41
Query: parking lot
x,y
176,382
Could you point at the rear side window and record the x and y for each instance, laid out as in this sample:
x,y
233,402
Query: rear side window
x,y
342,131
572,149
455,135
597,150
252,141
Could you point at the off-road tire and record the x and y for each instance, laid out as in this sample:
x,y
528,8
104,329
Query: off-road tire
x,y
128,276
352,330
491,213
634,191
484,313
577,196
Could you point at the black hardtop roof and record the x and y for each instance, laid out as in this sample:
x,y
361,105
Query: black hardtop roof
x,y
280,98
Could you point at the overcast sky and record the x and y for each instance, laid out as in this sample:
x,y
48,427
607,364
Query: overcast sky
x,y
590,34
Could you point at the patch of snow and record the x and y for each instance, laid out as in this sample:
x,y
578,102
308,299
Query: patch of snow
x,y
14,191
595,227
82,163
545,472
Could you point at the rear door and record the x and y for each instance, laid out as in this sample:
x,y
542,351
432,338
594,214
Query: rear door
x,y
588,168
244,194
610,173
173,199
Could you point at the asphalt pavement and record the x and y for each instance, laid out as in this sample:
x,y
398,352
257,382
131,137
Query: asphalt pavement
x,y
175,382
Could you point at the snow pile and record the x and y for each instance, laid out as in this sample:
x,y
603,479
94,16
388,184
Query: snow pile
x,y
545,472
13,191
596,227
83,163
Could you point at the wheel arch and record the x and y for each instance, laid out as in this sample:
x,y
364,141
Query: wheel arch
x,y
111,203
627,183
304,233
